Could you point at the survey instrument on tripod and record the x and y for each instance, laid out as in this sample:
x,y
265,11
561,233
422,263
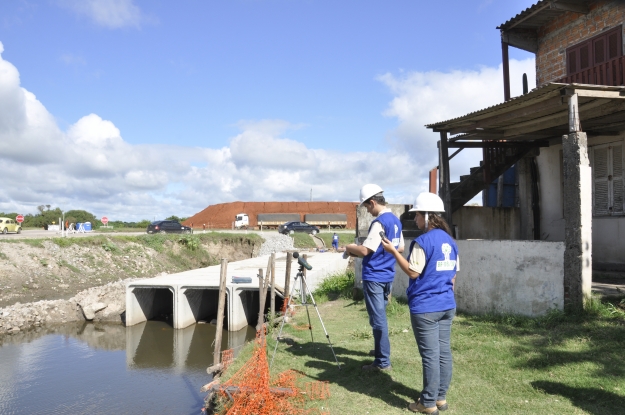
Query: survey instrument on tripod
x,y
305,293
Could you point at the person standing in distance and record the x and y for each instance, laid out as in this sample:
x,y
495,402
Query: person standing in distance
x,y
335,241
431,266
378,269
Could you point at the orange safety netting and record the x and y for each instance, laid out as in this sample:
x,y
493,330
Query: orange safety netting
x,y
251,391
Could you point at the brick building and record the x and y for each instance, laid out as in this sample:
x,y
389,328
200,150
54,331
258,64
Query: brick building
x,y
564,139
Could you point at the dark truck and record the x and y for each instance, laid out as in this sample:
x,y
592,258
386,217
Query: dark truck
x,y
327,220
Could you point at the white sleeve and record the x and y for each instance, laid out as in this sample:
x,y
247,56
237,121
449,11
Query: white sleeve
x,y
374,239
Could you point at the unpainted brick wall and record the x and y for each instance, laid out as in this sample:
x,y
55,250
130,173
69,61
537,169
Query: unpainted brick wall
x,y
570,29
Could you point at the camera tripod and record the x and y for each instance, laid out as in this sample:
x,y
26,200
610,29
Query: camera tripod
x,y
304,293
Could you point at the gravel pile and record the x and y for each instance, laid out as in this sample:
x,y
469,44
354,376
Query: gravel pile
x,y
275,242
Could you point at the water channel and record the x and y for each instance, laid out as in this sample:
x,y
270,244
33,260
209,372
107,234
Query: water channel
x,y
86,368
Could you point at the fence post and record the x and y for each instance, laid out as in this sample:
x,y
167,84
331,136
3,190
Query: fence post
x,y
220,310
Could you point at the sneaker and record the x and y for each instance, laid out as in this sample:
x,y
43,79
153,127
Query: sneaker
x,y
376,367
417,407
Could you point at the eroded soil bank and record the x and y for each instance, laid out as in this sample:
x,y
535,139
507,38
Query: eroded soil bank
x,y
61,280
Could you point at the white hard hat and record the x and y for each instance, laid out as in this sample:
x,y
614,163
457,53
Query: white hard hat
x,y
369,190
428,202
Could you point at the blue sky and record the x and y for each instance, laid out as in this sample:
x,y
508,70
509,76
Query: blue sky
x,y
173,106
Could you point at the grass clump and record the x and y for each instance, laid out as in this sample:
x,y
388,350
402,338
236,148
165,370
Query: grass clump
x,y
335,286
303,240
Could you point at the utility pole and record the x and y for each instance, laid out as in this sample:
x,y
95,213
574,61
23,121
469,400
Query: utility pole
x,y
311,194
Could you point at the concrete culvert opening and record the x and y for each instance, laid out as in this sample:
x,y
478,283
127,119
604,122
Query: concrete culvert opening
x,y
154,304
203,304
250,302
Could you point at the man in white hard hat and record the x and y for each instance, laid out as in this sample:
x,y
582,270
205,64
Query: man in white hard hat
x,y
378,269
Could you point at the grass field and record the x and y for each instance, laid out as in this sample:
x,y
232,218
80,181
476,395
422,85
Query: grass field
x,y
557,364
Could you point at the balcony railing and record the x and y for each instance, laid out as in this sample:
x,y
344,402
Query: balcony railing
x,y
611,73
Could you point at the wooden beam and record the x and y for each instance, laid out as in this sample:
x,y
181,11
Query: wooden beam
x,y
499,144
444,171
574,125
506,71
569,7
595,93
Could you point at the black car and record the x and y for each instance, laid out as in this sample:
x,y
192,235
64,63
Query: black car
x,y
291,227
167,226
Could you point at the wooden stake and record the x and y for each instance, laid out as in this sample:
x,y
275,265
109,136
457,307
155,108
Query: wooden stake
x,y
287,275
261,300
220,310
272,309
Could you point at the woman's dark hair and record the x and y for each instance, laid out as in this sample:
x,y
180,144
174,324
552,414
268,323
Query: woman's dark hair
x,y
437,221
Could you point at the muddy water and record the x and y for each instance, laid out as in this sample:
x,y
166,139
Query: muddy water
x,y
84,368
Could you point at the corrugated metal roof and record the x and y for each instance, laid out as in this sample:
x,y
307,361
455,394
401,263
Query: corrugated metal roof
x,y
539,14
541,93
534,93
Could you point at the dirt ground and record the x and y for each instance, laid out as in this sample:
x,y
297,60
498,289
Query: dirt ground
x,y
222,215
33,270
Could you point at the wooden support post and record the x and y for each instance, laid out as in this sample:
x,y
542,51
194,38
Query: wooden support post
x,y
261,300
268,275
444,176
433,180
220,310
500,191
506,70
272,310
287,275
574,124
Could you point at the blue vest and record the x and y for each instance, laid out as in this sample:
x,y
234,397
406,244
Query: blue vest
x,y
379,266
433,290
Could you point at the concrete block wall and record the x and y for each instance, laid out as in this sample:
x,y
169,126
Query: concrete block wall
x,y
569,30
478,222
516,277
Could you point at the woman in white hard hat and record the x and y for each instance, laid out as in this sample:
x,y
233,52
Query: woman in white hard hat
x,y
431,266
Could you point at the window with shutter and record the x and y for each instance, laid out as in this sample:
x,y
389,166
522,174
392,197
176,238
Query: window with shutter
x,y
595,51
607,179
617,179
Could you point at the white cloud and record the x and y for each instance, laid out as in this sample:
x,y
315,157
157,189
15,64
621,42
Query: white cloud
x,y
112,14
90,166
428,97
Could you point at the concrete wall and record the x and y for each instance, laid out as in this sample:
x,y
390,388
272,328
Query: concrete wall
x,y
477,222
518,277
608,232
364,219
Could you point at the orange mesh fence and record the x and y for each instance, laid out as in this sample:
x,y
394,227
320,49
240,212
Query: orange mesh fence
x,y
251,391
318,390
227,356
